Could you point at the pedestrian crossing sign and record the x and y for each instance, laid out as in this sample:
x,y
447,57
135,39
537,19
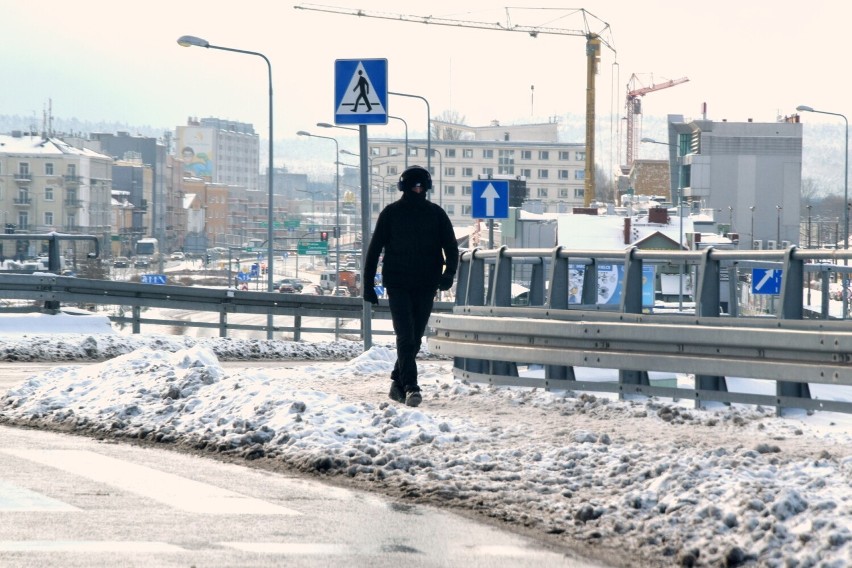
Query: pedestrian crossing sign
x,y
361,91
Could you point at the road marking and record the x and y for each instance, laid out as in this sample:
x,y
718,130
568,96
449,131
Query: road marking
x,y
172,490
20,499
87,546
303,548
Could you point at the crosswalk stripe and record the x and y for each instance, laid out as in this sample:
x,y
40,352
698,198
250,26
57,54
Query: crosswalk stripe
x,y
21,499
294,548
172,490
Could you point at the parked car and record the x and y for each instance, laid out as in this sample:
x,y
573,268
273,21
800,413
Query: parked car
x,y
341,291
286,288
141,263
177,256
121,262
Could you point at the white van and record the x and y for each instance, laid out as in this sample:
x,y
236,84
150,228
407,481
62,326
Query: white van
x,y
328,280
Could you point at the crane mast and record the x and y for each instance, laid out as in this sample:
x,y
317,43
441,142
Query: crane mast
x,y
633,108
594,40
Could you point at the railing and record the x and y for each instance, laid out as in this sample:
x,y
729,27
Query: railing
x,y
490,339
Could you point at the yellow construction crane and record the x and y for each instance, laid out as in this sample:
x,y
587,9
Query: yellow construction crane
x,y
594,40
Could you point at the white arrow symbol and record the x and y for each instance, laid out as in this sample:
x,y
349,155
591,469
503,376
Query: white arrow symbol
x,y
490,195
767,276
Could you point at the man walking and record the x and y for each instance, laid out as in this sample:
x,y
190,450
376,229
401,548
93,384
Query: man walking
x,y
421,256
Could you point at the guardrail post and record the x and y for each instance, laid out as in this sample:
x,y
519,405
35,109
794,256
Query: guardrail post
x,y
557,299
474,295
708,304
791,306
297,328
136,312
223,322
631,303
501,296
825,295
536,293
589,296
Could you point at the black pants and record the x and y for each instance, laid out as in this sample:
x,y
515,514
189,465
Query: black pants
x,y
410,309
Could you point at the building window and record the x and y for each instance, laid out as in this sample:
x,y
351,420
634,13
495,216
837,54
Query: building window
x,y
467,172
450,152
506,162
526,172
542,192
412,151
579,193
392,170
48,169
375,151
543,155
48,218
542,174
579,174
70,221
72,170
563,193
564,174
564,155
488,172
580,156
448,171
393,151
23,220
451,209
466,210
488,154
526,154
376,207
467,153
466,190
48,195
449,190
24,168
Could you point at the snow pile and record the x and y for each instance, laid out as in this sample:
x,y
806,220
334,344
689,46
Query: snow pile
x,y
652,482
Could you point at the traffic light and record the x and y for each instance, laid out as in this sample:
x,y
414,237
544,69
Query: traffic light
x,y
323,235
207,259
337,232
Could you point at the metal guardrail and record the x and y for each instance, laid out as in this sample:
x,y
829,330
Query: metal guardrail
x,y
49,288
490,338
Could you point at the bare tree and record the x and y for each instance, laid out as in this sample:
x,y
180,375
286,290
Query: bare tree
x,y
441,126
604,187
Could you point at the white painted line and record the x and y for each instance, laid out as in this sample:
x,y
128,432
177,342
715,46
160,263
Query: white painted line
x,y
87,546
172,490
21,499
304,548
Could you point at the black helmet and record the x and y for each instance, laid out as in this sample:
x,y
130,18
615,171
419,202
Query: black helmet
x,y
414,176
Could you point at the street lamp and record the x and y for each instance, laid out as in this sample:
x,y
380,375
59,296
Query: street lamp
x,y
337,201
190,41
751,208
805,108
441,176
406,136
428,126
778,228
679,214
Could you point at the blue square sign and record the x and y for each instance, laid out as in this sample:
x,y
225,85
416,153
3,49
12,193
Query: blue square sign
x,y
490,199
361,91
766,280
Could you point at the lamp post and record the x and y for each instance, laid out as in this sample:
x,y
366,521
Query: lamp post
x,y
190,41
406,136
778,228
805,108
680,217
441,176
751,208
428,126
337,202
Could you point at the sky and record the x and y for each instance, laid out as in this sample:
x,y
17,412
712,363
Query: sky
x,y
757,59
650,479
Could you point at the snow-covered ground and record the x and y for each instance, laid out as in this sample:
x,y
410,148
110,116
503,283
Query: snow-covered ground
x,y
632,483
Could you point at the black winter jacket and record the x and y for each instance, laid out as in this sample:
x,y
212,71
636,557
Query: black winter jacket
x,y
419,243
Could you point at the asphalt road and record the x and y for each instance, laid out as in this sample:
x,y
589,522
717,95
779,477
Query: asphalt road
x,y
69,501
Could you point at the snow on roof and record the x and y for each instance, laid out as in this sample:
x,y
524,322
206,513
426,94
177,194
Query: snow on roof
x,y
606,232
35,145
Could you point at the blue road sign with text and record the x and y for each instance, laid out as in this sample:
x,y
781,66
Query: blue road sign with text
x,y
153,279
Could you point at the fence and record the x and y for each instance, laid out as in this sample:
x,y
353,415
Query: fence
x,y
560,330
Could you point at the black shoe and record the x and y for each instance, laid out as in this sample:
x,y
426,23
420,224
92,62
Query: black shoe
x,y
396,392
413,398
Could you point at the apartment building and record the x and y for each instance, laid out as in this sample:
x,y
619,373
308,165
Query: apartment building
x,y
554,172
48,185
220,151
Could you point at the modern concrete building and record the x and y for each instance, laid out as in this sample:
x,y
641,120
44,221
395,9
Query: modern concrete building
x,y
220,151
749,174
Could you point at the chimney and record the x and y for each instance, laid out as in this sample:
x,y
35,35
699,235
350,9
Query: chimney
x,y
627,239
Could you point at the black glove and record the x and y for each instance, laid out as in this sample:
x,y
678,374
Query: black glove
x,y
370,295
446,282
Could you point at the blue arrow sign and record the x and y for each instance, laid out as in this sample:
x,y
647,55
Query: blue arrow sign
x,y
766,280
490,199
361,91
153,279
243,276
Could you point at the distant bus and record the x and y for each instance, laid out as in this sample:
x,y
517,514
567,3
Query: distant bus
x,y
147,251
